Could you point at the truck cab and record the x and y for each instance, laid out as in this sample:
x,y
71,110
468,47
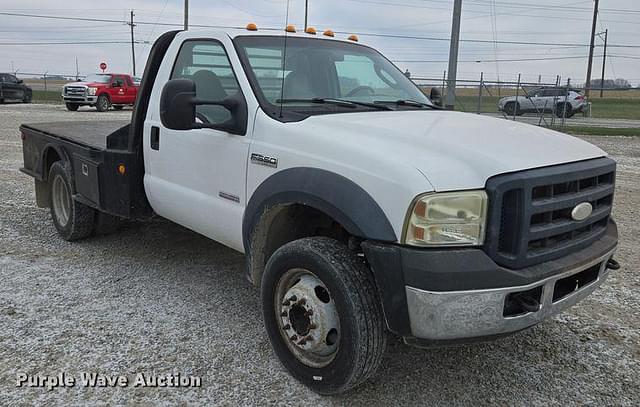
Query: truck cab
x,y
102,91
361,206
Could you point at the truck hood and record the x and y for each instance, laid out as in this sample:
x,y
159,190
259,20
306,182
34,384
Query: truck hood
x,y
452,150
87,84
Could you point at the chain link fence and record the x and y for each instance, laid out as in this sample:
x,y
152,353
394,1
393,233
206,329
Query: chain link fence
x,y
546,104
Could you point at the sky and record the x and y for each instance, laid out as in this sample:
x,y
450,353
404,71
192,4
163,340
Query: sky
x,y
34,45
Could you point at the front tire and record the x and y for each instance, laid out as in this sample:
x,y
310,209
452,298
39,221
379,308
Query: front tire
x,y
512,108
72,219
103,103
322,314
72,107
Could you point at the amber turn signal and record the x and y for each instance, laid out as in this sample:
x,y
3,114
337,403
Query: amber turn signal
x,y
122,169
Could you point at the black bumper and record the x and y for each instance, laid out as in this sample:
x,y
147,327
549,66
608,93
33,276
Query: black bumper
x,y
397,267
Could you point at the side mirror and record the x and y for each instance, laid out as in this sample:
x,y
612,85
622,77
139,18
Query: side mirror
x,y
178,108
20,81
436,97
115,85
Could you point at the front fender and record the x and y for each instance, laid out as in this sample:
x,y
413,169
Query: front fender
x,y
337,196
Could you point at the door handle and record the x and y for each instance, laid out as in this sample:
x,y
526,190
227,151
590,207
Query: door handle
x,y
155,138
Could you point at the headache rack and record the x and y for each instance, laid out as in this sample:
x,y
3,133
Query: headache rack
x,y
530,219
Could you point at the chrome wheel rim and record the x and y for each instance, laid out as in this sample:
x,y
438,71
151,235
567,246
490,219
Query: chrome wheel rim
x,y
61,201
307,316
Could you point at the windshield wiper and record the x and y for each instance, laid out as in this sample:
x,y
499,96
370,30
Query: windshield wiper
x,y
405,102
335,101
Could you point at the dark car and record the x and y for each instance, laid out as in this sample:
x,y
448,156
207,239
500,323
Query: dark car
x,y
12,88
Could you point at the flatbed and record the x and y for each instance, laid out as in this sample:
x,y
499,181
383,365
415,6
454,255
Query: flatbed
x,y
90,134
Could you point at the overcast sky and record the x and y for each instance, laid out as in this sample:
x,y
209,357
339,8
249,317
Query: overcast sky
x,y
567,22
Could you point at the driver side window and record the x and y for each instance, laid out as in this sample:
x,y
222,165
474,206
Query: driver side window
x,y
206,63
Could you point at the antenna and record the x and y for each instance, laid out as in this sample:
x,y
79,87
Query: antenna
x,y
284,60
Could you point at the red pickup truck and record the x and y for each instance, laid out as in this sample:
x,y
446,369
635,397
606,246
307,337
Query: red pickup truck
x,y
102,91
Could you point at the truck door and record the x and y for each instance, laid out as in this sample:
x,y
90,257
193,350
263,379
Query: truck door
x,y
197,178
117,90
11,89
131,91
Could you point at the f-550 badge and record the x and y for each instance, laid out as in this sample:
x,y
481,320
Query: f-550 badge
x,y
264,160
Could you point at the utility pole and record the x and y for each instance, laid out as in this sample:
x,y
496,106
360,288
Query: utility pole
x,y
77,70
133,50
450,99
604,60
587,84
186,15
306,14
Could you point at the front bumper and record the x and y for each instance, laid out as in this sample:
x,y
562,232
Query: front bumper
x,y
86,100
431,296
454,315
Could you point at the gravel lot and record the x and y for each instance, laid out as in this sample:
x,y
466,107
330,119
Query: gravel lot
x,y
157,298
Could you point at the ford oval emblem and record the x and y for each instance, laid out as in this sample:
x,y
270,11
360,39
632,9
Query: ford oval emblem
x,y
581,211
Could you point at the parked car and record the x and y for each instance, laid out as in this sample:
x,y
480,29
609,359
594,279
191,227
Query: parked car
x,y
362,207
562,102
12,88
102,91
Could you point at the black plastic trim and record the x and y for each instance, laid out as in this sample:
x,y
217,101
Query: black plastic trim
x,y
333,194
521,209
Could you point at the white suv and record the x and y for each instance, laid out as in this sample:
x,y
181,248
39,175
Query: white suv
x,y
560,101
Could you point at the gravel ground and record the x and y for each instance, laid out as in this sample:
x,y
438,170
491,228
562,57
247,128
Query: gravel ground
x,y
157,298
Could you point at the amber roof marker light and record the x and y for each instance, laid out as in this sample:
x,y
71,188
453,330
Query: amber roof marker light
x,y
310,30
290,28
353,37
329,33
252,27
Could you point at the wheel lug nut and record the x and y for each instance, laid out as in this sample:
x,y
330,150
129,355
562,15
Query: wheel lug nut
x,y
286,303
293,298
284,314
293,337
302,342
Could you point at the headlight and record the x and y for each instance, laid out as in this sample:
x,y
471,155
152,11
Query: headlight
x,y
447,219
92,91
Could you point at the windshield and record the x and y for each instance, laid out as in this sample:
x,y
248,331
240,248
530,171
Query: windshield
x,y
98,78
323,70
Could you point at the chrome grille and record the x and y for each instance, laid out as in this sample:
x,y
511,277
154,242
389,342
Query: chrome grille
x,y
74,90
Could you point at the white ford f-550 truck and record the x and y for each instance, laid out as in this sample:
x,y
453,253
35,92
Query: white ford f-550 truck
x,y
362,207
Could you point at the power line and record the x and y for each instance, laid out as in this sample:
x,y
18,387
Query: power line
x,y
370,34
418,61
72,43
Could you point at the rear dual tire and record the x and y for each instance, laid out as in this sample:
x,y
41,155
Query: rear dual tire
x,y
72,219
317,292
